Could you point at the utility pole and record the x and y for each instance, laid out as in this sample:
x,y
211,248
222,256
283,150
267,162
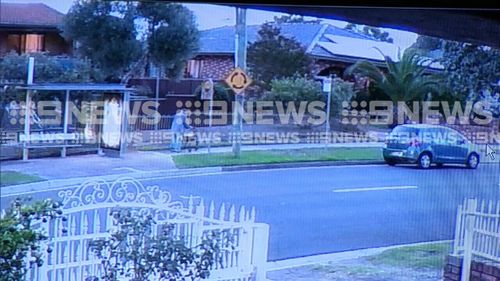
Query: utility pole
x,y
240,58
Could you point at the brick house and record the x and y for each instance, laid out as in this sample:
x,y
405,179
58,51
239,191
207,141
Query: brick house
x,y
332,48
33,27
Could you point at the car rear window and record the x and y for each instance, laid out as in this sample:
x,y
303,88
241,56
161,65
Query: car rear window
x,y
404,131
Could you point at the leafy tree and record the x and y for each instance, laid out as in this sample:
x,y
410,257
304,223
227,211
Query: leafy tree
x,y
274,56
172,35
471,72
19,238
342,91
135,253
112,35
13,69
424,45
293,19
108,40
471,69
371,31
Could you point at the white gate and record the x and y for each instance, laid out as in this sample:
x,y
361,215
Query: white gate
x,y
87,209
477,233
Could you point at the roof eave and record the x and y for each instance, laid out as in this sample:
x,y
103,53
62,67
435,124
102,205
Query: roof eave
x,y
29,27
214,54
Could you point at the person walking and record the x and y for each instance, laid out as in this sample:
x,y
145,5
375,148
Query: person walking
x,y
179,126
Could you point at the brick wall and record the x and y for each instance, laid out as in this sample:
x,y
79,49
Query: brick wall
x,y
218,67
480,271
320,65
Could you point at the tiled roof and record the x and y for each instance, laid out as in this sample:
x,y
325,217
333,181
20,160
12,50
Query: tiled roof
x,y
30,14
358,48
221,40
320,40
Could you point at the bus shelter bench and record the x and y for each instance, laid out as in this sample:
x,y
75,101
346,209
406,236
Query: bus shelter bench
x,y
49,140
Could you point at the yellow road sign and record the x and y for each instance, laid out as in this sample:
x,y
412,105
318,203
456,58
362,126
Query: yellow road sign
x,y
238,80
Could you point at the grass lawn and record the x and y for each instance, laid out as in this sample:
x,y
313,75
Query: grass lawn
x,y
417,263
12,178
276,156
430,256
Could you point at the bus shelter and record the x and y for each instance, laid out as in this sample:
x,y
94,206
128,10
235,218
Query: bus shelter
x,y
50,121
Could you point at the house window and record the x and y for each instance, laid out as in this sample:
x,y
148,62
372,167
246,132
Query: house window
x,y
25,43
34,43
193,68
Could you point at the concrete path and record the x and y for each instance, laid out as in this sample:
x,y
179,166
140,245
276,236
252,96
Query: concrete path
x,y
91,165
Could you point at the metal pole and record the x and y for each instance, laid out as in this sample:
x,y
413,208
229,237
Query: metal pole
x,y
124,124
329,99
210,123
66,119
27,111
157,95
240,58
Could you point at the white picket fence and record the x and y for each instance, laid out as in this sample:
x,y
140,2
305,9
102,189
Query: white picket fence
x,y
477,233
87,209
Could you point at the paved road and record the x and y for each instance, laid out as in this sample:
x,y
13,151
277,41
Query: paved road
x,y
331,209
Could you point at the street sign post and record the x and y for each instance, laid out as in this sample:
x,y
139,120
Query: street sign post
x,y
328,87
207,93
237,80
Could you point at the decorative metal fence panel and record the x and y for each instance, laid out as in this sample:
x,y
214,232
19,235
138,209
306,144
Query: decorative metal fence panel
x,y
477,233
87,210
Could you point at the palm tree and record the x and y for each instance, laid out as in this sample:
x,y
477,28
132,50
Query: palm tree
x,y
404,81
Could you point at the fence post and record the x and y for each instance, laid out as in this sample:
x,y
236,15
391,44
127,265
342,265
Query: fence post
x,y
458,231
259,250
468,240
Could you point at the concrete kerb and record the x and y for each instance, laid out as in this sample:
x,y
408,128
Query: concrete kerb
x,y
73,182
335,257
300,165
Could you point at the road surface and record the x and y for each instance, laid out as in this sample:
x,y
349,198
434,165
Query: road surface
x,y
331,209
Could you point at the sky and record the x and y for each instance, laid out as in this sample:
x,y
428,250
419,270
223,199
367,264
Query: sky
x,y
211,16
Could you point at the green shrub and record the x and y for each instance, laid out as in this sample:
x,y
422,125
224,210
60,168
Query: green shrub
x,y
14,68
342,91
19,238
134,252
295,89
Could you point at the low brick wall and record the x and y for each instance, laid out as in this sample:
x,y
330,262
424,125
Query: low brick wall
x,y
480,271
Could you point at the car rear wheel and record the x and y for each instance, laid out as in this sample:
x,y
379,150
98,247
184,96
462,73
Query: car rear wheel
x,y
390,162
472,161
424,161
